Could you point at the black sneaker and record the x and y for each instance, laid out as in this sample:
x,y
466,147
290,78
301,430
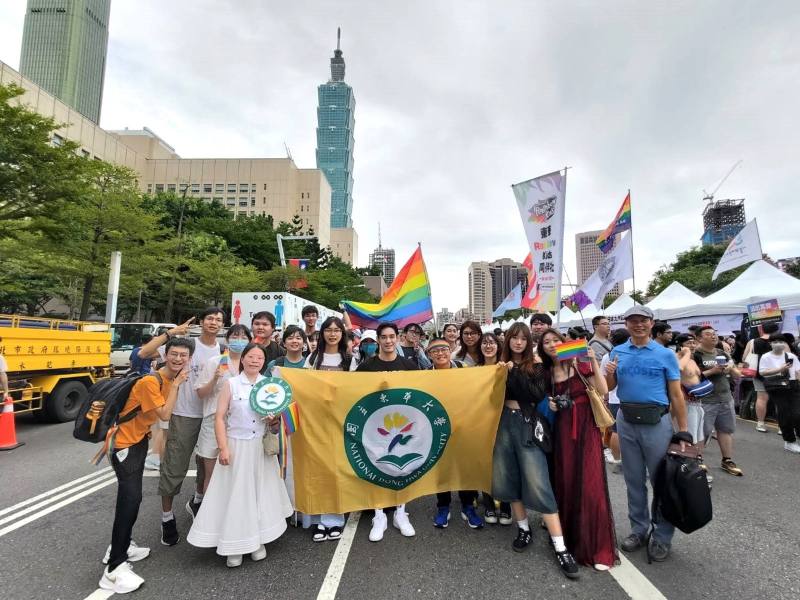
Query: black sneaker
x,y
169,532
192,507
504,517
568,565
632,543
523,540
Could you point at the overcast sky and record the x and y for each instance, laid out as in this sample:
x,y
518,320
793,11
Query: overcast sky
x,y
458,100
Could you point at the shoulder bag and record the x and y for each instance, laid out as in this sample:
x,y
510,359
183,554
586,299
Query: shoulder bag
x,y
602,414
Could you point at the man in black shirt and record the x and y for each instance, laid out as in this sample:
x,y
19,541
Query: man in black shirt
x,y
387,359
262,327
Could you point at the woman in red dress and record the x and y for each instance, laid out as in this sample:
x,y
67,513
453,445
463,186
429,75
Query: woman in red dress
x,y
581,488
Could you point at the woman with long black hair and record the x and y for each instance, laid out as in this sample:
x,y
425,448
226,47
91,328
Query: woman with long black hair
x,y
520,473
331,355
469,353
581,486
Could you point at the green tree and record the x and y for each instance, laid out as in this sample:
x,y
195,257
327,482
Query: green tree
x,y
36,175
694,268
108,217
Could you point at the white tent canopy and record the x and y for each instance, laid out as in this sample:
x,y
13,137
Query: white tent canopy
x,y
760,281
675,295
620,305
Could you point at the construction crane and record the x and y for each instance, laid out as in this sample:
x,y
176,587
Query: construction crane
x,y
710,197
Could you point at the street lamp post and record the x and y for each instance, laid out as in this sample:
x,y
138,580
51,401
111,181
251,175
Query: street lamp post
x,y
171,297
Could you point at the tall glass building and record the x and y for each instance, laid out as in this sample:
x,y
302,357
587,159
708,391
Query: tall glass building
x,y
335,124
64,45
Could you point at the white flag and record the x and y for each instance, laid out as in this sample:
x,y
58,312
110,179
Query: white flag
x,y
617,266
511,302
541,205
743,249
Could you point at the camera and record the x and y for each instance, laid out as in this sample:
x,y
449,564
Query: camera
x,y
562,401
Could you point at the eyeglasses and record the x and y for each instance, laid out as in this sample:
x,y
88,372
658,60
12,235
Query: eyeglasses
x,y
471,333
440,350
414,331
178,355
489,343
332,331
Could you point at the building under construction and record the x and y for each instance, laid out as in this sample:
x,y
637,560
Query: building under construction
x,y
722,220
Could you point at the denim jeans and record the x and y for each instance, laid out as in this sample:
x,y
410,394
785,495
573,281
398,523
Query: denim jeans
x,y
129,472
642,448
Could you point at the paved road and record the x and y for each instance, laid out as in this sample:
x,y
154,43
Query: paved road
x,y
749,551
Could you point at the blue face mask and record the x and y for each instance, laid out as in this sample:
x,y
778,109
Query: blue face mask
x,y
369,348
236,346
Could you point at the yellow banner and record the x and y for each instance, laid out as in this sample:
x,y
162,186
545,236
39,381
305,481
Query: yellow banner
x,y
371,440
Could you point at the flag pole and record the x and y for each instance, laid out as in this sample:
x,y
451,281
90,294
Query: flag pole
x,y
574,289
424,266
633,254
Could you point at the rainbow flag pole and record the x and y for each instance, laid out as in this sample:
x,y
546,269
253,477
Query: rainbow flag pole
x,y
408,300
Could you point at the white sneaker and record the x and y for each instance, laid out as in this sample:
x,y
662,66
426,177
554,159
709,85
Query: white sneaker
x,y
609,456
234,560
792,447
401,522
121,580
761,427
152,462
379,525
259,554
135,553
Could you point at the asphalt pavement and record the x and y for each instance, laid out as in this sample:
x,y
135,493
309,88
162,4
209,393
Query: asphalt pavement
x,y
51,546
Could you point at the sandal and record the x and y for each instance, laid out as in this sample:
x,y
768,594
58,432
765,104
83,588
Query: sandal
x,y
334,533
320,534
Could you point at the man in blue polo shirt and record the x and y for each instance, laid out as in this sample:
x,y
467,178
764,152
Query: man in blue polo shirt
x,y
647,380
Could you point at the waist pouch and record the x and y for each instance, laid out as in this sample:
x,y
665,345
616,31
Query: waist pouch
x,y
643,414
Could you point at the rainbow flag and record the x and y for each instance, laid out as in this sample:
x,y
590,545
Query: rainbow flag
x,y
622,222
291,418
408,300
572,349
225,361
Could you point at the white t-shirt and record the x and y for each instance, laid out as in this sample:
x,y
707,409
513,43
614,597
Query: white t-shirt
x,y
206,375
189,404
3,365
467,361
330,362
612,394
770,360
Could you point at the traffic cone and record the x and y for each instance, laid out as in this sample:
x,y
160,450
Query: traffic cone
x,y
8,431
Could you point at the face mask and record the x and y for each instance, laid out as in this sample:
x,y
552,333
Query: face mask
x,y
369,348
778,348
237,346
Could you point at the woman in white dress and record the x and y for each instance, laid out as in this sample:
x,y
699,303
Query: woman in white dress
x,y
246,504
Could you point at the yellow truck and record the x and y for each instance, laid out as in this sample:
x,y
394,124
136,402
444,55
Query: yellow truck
x,y
53,362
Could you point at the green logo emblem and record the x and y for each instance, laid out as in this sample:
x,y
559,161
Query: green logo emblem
x,y
270,396
395,436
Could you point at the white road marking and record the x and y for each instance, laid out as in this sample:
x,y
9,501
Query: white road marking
x,y
99,594
634,583
71,490
149,473
95,475
55,507
330,585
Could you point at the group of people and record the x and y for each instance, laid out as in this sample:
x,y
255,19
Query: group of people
x,y
548,455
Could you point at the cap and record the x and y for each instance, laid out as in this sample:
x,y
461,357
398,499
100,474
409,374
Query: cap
x,y
369,334
639,310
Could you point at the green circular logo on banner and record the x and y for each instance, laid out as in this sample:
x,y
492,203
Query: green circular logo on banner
x,y
395,436
270,396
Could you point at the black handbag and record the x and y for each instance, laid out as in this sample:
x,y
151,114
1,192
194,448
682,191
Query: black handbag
x,y
539,431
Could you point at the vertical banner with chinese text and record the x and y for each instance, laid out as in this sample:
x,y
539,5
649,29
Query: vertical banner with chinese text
x,y
541,206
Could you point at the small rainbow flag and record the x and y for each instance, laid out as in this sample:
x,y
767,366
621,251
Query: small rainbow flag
x,y
622,222
291,418
572,349
408,300
225,361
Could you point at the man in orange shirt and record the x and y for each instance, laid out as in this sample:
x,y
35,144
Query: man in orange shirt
x,y
152,397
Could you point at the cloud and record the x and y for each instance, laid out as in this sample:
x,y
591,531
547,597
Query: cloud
x,y
458,100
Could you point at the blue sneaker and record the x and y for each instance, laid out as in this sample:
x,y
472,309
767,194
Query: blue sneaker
x,y
471,517
442,517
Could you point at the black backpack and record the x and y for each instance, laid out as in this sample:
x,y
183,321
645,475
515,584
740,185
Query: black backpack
x,y
681,492
100,411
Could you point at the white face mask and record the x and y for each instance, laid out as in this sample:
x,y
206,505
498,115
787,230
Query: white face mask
x,y
779,348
